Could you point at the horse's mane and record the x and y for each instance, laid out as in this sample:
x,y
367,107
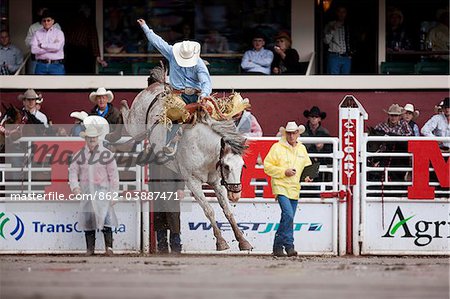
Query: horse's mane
x,y
227,130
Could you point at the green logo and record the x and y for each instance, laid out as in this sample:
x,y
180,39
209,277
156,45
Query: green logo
x,y
17,232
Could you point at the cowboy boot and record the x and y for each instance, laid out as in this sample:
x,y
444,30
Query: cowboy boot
x,y
108,235
291,252
90,242
172,138
163,246
175,243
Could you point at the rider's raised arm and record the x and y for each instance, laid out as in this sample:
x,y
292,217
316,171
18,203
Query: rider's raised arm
x,y
163,47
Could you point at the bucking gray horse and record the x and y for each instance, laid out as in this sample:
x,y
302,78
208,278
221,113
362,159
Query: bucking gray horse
x,y
208,152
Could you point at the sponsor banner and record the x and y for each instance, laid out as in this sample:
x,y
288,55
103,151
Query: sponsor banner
x,y
52,227
408,227
313,227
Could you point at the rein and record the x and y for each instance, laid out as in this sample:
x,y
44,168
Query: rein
x,y
233,188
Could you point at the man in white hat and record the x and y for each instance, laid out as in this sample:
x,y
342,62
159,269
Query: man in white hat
x,y
409,116
102,99
188,73
439,124
93,171
78,126
394,125
284,164
29,100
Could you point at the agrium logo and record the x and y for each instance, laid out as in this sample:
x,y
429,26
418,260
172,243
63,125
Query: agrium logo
x,y
423,232
16,232
259,227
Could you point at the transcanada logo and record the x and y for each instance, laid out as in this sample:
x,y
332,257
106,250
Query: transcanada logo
x,y
423,232
42,227
260,227
14,227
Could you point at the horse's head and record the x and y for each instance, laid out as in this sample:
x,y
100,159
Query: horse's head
x,y
230,166
12,115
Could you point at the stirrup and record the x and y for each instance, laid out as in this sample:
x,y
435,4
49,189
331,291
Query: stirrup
x,y
170,151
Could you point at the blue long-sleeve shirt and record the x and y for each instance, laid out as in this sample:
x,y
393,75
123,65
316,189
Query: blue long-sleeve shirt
x,y
181,77
257,61
11,57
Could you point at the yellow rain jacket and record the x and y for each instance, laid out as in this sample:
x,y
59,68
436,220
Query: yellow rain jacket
x,y
281,157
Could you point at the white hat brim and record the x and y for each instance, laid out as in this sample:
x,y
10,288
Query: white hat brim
x,y
300,128
183,62
93,95
79,115
100,123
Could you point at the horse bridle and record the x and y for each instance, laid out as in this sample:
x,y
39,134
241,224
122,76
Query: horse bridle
x,y
233,188
7,132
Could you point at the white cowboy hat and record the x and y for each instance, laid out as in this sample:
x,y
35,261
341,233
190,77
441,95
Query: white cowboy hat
x,y
410,108
292,127
186,53
29,94
80,115
395,109
91,131
100,123
101,92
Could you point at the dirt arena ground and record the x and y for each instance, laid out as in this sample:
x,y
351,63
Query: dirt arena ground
x,y
216,277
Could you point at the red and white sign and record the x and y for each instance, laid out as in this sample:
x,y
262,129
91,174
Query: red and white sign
x,y
349,147
426,152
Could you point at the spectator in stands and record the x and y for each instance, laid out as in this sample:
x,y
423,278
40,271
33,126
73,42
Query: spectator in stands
x,y
47,44
82,47
286,59
79,126
247,124
215,43
257,60
29,98
338,39
439,125
93,170
314,129
102,99
439,35
438,108
31,30
395,125
396,36
284,164
167,210
10,56
409,116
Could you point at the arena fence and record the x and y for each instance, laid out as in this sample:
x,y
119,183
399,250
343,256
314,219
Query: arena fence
x,y
374,195
32,224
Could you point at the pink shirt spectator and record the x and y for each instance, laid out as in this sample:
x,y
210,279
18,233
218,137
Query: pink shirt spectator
x,y
48,44
248,125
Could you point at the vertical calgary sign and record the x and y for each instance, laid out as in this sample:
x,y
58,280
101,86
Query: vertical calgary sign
x,y
351,121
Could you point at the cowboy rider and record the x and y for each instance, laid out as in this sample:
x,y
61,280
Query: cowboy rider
x,y
189,75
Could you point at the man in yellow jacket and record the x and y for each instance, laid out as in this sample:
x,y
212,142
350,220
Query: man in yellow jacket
x,y
284,164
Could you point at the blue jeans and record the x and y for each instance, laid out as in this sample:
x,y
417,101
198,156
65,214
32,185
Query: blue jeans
x,y
338,64
284,237
49,69
189,99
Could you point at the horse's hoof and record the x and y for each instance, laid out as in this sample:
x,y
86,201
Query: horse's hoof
x,y
245,246
221,246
